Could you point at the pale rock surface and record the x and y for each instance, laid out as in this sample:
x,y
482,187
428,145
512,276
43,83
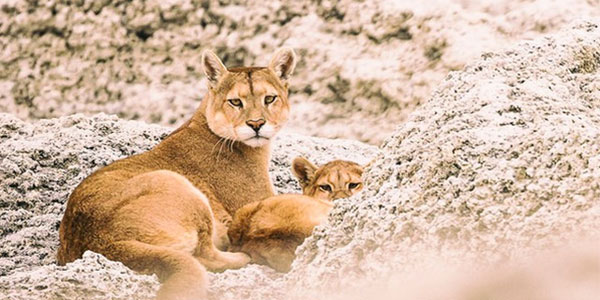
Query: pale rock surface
x,y
501,163
500,166
41,163
92,277
363,64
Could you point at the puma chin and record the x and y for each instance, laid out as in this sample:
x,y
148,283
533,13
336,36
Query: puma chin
x,y
256,139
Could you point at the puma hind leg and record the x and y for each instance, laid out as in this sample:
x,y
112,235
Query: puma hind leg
x,y
182,276
166,226
216,260
212,237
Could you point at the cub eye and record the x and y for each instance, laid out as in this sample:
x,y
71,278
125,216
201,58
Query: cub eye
x,y
353,185
235,102
270,99
325,187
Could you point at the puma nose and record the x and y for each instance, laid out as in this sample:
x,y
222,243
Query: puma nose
x,y
256,124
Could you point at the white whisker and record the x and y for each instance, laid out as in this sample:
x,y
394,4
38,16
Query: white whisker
x,y
220,141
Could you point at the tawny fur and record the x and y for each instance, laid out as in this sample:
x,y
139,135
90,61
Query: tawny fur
x,y
333,180
271,230
166,211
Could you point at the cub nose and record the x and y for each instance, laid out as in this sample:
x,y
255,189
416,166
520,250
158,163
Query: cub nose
x,y
256,124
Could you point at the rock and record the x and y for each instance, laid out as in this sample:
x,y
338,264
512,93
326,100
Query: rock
x,y
363,65
501,163
41,163
92,277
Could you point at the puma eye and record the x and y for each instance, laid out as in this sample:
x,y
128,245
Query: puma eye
x,y
235,102
325,187
270,99
353,185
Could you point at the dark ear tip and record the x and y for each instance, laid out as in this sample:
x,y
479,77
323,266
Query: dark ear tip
x,y
298,159
298,166
213,67
287,50
206,53
283,62
302,168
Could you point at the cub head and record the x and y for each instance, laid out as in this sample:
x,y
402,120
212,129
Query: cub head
x,y
248,104
333,180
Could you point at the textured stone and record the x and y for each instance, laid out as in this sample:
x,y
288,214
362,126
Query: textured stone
x,y
501,163
363,64
41,163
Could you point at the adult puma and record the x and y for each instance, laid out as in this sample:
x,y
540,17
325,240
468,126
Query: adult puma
x,y
165,211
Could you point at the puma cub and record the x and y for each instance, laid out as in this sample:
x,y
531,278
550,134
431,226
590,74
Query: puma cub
x,y
166,211
271,230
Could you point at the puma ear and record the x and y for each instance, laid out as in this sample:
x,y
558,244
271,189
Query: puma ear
x,y
283,62
304,170
213,67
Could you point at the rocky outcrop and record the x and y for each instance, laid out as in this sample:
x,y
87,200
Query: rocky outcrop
x,y
501,162
364,64
41,163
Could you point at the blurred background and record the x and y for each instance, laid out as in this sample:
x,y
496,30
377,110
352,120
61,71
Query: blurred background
x,y
452,209
364,65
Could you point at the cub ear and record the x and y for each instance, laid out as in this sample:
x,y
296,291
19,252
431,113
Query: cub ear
x,y
283,63
213,67
304,170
